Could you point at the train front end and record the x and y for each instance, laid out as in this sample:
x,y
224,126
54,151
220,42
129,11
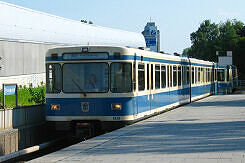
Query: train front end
x,y
88,86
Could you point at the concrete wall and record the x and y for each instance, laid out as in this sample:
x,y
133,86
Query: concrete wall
x,y
22,62
19,58
18,117
21,128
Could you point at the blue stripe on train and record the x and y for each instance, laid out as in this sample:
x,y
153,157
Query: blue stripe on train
x,y
130,105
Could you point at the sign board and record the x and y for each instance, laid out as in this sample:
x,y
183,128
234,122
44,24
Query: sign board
x,y
153,32
224,60
9,89
150,41
84,56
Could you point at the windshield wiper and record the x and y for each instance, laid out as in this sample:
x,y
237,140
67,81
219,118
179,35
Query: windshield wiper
x,y
78,86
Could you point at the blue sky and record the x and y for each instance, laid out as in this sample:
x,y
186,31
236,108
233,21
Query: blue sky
x,y
175,19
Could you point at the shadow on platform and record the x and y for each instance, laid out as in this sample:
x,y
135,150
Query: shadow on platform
x,y
177,138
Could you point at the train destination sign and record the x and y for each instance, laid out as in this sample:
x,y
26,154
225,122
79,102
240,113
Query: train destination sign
x,y
81,56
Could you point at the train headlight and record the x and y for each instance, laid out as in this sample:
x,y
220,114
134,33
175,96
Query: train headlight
x,y
116,107
55,106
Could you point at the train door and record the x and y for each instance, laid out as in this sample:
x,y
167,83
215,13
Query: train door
x,y
147,101
143,95
135,88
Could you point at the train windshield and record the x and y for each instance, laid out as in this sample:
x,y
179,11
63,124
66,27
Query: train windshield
x,y
221,75
85,77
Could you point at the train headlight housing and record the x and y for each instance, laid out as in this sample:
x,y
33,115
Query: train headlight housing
x,y
116,107
55,106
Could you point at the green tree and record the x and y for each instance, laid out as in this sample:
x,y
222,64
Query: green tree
x,y
84,21
204,41
211,37
186,52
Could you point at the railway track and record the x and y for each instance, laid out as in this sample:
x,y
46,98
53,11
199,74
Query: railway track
x,y
41,149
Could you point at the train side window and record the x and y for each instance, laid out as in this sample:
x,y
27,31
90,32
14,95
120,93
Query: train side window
x,y
196,75
209,75
192,75
157,76
141,77
152,76
206,75
168,79
187,75
216,75
174,76
183,75
170,76
221,75
134,76
203,75
179,75
228,74
53,78
199,75
163,76
121,77
148,76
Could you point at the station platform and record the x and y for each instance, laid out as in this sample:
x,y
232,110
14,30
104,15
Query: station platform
x,y
208,130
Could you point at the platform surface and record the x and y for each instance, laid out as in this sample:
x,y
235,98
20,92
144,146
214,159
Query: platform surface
x,y
209,130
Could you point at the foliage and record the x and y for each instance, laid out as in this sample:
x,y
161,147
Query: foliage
x,y
24,97
85,21
211,37
37,95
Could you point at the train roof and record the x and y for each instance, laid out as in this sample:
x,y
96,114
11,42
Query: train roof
x,y
132,51
26,25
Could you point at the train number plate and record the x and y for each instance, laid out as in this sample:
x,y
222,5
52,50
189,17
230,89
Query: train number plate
x,y
116,118
85,106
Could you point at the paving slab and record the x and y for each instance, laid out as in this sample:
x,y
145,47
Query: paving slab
x,y
208,130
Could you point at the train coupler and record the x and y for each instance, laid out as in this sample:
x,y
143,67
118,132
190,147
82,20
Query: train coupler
x,y
83,129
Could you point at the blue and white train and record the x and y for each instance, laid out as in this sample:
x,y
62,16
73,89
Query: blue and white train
x,y
227,79
106,86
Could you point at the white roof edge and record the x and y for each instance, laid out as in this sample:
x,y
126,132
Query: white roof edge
x,y
23,25
59,17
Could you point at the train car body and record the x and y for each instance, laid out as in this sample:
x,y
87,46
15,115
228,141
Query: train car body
x,y
131,84
227,79
202,78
